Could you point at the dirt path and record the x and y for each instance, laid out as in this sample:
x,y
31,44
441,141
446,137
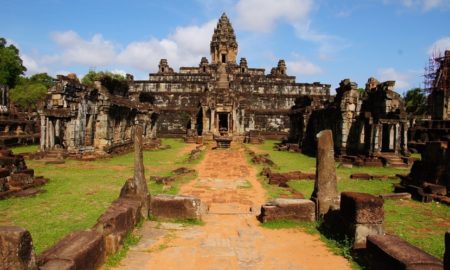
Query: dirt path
x,y
231,237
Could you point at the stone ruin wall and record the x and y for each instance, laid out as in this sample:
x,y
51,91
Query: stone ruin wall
x,y
356,120
90,119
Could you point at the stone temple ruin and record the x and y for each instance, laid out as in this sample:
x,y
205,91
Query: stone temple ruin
x,y
437,83
95,119
226,101
369,128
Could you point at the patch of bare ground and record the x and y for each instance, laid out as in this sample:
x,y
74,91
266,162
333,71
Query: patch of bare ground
x,y
231,237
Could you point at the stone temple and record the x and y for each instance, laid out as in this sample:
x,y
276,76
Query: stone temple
x,y
223,96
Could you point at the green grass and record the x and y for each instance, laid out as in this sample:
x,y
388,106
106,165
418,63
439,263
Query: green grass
x,y
79,192
25,149
421,224
114,259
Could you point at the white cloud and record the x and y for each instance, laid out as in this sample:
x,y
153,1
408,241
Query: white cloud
x,y
439,46
302,67
402,79
424,5
262,15
32,65
185,47
94,52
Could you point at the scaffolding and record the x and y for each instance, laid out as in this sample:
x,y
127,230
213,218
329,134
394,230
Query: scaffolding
x,y
437,84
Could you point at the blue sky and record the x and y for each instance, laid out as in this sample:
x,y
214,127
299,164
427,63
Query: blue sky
x,y
321,40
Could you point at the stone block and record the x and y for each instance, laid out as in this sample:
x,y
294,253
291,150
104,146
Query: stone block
x,y
447,251
78,250
435,189
361,208
363,176
119,219
4,172
16,249
360,232
20,179
392,252
396,196
175,207
288,209
3,185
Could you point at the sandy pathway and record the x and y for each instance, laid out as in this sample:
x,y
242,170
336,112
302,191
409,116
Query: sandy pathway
x,y
231,237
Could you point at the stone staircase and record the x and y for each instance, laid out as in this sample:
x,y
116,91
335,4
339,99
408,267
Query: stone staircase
x,y
54,156
222,82
393,160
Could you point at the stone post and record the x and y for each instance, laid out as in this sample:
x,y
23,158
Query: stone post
x,y
325,194
16,249
43,132
139,177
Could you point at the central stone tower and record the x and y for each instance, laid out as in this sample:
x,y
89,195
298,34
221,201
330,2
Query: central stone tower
x,y
224,47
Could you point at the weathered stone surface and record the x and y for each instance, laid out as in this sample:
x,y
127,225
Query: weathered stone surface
x,y
288,209
16,249
325,193
362,208
364,176
119,219
435,189
182,170
447,251
20,180
392,252
175,207
360,232
396,196
78,250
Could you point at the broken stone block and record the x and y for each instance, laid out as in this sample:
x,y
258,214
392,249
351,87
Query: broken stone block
x,y
288,209
3,184
175,207
325,193
363,176
182,170
392,252
362,208
4,172
435,189
16,249
20,180
78,250
396,196
115,223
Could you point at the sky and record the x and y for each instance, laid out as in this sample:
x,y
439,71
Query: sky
x,y
320,40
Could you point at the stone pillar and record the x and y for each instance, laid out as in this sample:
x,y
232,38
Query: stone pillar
x,y
139,177
16,249
43,132
325,194
51,132
377,129
391,137
213,115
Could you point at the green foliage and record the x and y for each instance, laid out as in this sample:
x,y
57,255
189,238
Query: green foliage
x,y
11,65
93,75
415,102
29,91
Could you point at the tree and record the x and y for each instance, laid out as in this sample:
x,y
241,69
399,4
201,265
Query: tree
x,y
93,75
11,65
415,102
29,91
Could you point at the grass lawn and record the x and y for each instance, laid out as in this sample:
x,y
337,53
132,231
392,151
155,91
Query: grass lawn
x,y
421,224
79,192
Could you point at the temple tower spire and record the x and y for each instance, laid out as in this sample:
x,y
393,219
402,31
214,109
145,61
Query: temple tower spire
x,y
224,47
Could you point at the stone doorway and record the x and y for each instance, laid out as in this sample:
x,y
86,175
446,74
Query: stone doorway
x,y
388,138
199,124
223,122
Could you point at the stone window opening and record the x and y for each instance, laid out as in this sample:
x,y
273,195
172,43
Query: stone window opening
x,y
224,58
204,69
242,70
